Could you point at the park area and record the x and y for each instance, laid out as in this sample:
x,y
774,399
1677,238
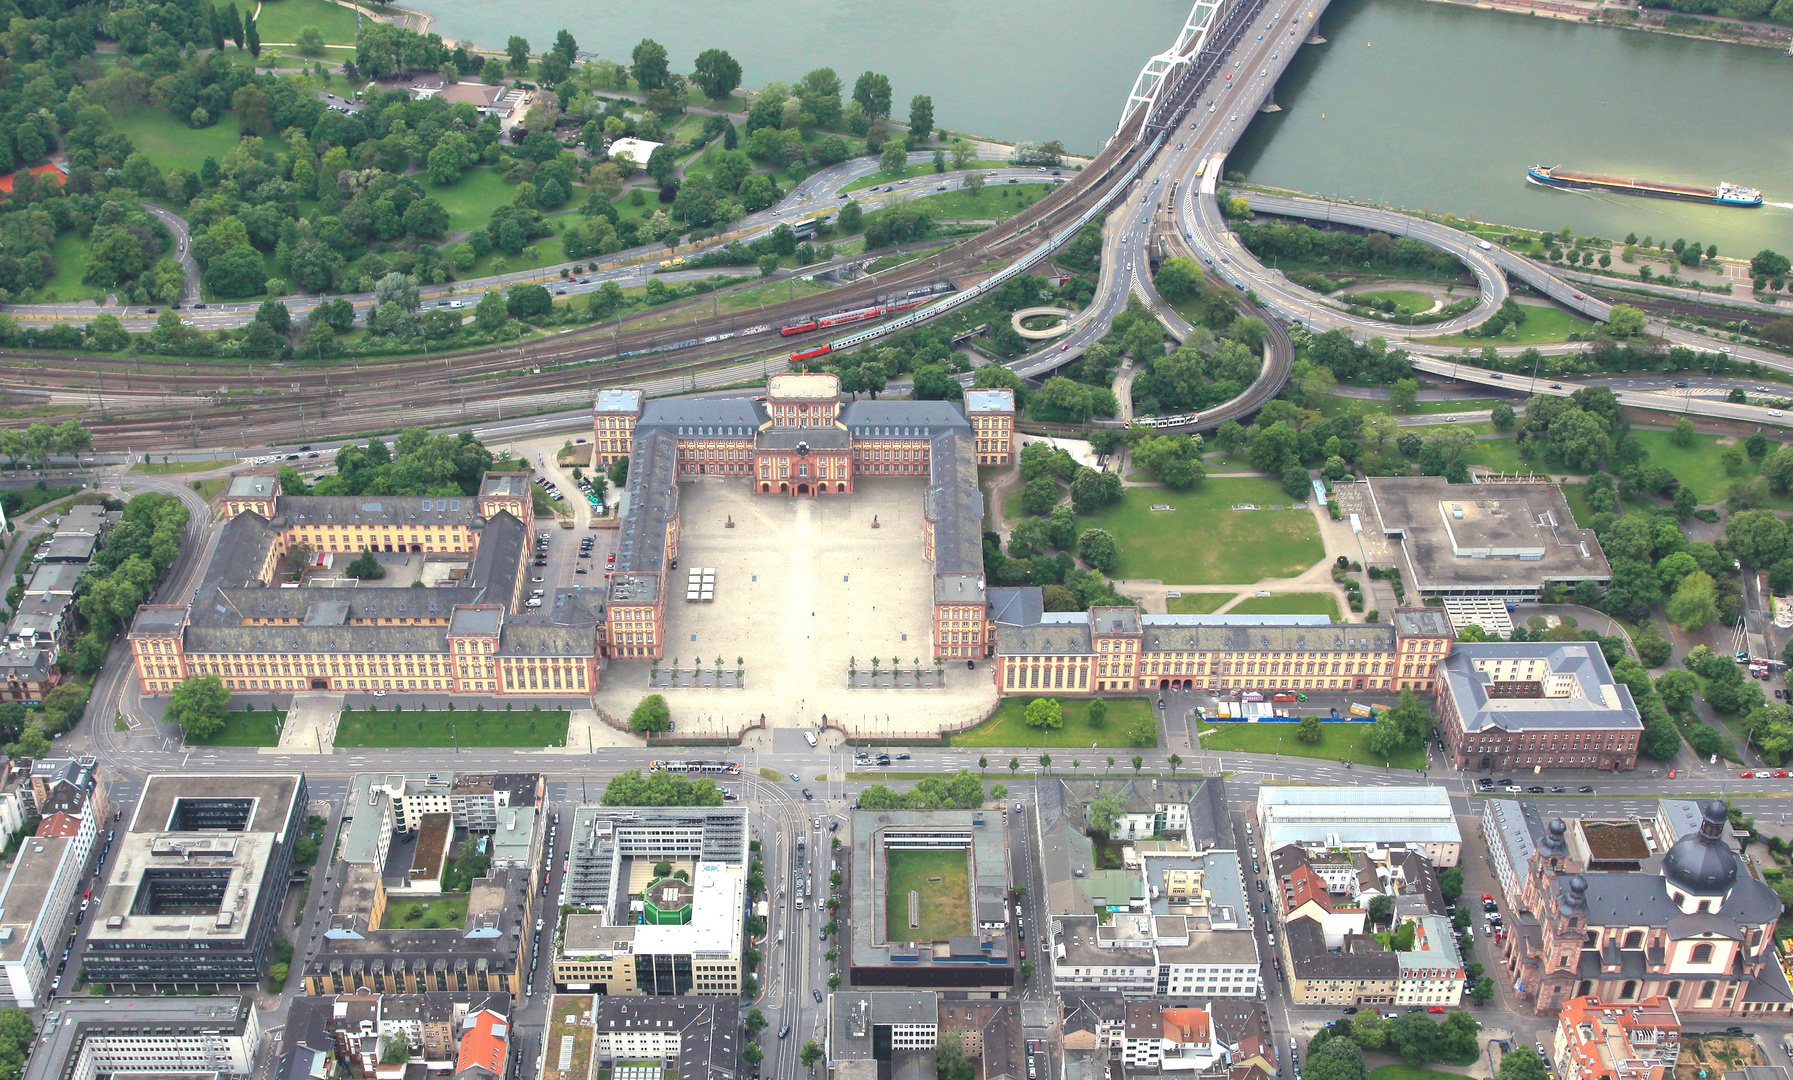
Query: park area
x,y
1300,603
1007,728
1339,741
258,728
943,881
1202,540
543,727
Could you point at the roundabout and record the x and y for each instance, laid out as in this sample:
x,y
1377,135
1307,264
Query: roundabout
x,y
1062,326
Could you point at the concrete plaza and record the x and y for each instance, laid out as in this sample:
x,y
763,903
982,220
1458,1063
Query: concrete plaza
x,y
804,587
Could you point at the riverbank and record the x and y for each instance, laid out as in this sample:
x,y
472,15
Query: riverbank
x,y
1646,20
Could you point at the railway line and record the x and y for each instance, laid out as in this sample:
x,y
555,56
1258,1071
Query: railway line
x,y
253,404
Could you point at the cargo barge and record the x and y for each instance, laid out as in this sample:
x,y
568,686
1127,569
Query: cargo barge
x,y
1725,194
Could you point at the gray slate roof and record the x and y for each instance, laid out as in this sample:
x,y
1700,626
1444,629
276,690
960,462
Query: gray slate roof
x,y
955,504
902,419
704,417
1468,688
377,510
1344,637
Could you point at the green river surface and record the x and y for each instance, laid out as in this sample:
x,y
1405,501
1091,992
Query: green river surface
x,y
1409,103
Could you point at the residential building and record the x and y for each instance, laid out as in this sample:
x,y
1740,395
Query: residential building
x,y
485,1046
357,950
802,440
38,899
1175,920
1209,1040
469,632
868,1027
1511,839
1304,894
1360,971
474,801
357,1028
1124,649
1692,924
87,1038
1432,971
197,883
700,1036
1536,705
1636,1041
1093,1022
1368,820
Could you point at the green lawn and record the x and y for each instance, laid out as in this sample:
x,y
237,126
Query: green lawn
x,y
259,728
925,168
281,20
1004,200
1576,495
208,487
160,467
70,252
1404,300
1300,603
462,728
1542,326
1206,542
1696,465
471,199
1197,603
1338,406
942,881
773,292
173,145
1006,729
1337,740
447,910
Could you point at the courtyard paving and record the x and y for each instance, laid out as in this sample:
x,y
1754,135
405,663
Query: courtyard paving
x,y
804,588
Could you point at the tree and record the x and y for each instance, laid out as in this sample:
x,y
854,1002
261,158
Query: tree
x,y
1097,548
973,182
811,1054
1484,987
1044,714
365,568
311,41
950,1057
1104,811
649,67
1757,536
1522,1063
199,705
755,1022
921,118
1450,883
1625,321
252,37
528,300
1309,730
64,705
1335,1059
651,715
1098,713
872,92
1695,603
1403,395
1380,909
716,73
1502,417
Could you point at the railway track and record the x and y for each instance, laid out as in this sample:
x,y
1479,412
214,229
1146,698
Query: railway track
x,y
253,404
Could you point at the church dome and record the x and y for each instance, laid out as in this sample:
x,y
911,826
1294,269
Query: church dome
x,y
1701,864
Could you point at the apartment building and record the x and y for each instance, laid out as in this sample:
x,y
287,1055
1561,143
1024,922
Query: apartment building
x,y
40,895
1639,1040
153,1036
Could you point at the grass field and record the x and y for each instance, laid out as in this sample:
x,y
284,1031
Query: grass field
x,y
160,467
1197,603
1206,542
1300,603
945,904
445,910
208,487
1404,300
460,728
1338,406
70,252
1005,727
996,200
471,199
925,168
1542,326
257,728
773,292
281,20
1696,465
1337,741
173,145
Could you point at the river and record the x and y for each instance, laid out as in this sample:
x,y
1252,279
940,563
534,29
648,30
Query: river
x,y
1410,103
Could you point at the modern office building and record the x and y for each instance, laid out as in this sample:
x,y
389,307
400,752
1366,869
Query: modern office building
x,y
1536,705
197,883
37,901
179,1038
1369,820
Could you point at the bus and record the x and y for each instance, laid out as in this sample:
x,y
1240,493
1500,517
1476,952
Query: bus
x,y
727,768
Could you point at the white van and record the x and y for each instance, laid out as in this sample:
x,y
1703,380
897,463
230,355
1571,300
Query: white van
x,y
811,736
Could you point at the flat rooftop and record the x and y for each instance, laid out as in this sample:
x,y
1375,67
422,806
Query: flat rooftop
x,y
1493,538
267,801
27,887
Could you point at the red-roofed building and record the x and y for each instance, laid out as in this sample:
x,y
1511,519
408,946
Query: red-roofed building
x,y
59,824
1636,1041
485,1041
1305,896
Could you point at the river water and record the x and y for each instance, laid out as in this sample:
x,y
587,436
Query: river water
x,y
1410,103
